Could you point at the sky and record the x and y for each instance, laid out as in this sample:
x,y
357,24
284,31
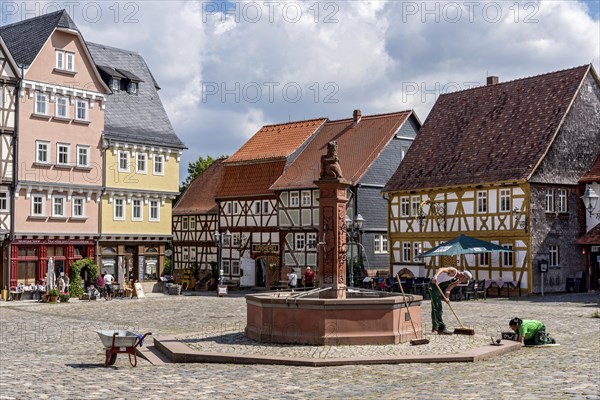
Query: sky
x,y
228,68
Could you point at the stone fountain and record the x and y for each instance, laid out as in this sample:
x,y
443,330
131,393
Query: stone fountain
x,y
332,314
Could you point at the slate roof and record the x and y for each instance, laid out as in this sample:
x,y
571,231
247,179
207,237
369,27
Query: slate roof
x,y
591,238
358,147
276,141
199,197
250,179
593,175
488,134
26,38
134,118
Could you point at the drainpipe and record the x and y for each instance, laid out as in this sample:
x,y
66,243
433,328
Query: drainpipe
x,y
103,167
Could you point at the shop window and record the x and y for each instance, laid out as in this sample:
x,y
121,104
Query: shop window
x,y
150,268
26,272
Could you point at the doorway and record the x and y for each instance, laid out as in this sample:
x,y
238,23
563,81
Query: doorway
x,y
267,270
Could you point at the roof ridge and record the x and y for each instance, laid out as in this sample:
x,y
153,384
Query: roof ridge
x,y
517,80
33,19
296,122
372,116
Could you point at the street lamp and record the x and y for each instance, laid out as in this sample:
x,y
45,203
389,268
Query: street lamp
x,y
353,229
219,242
590,201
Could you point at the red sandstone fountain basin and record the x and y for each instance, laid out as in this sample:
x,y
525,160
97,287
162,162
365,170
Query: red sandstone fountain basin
x,y
361,318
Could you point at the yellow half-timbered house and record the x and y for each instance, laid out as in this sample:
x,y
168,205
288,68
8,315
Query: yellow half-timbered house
x,y
500,162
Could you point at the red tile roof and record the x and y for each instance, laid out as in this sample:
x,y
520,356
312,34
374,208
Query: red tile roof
x,y
591,238
488,134
358,146
593,175
250,179
199,197
276,141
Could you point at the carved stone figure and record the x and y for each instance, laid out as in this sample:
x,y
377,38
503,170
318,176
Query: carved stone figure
x,y
330,164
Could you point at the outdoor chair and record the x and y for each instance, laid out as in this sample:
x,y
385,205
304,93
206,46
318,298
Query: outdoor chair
x,y
476,288
576,283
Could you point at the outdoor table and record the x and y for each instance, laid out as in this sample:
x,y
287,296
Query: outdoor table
x,y
15,295
500,283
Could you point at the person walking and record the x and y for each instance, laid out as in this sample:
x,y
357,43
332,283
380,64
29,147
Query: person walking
x,y
292,279
530,332
309,277
446,278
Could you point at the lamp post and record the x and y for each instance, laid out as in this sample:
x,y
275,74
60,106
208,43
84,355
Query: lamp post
x,y
352,229
590,201
219,241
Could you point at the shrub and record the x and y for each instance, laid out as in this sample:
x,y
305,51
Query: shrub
x,y
76,284
54,292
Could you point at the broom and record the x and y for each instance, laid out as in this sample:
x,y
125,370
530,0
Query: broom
x,y
457,331
414,342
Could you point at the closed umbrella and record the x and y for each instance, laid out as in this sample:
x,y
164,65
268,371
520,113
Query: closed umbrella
x,y
50,275
121,273
463,245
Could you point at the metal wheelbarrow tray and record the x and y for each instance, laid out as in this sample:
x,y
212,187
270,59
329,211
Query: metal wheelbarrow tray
x,y
120,341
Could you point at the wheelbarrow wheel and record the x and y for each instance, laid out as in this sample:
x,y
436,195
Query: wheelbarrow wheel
x,y
113,358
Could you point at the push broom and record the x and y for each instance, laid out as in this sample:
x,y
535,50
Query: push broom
x,y
415,341
457,331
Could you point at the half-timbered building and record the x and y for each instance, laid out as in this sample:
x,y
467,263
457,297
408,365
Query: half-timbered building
x,y
9,83
590,240
195,219
370,149
500,162
248,206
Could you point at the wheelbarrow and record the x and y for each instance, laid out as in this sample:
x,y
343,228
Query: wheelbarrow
x,y
120,341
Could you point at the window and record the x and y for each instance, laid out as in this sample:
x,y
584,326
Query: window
x,y
140,165
235,267
236,240
306,197
294,199
484,259
229,208
60,59
37,205
236,209
549,200
257,207
554,256
315,199
119,209
154,211
115,84
300,241
62,153
406,251
41,104
62,107
132,87
192,223
83,156
562,201
404,207
3,201
58,206
82,108
136,210
481,202
184,223
311,241
507,256
415,206
123,161
70,61
225,267
417,249
78,208
41,153
381,244
265,207
505,200
186,256
159,164
192,254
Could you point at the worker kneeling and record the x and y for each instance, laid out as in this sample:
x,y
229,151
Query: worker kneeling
x,y
530,332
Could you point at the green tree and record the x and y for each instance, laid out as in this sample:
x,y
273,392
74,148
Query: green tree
x,y
197,167
76,286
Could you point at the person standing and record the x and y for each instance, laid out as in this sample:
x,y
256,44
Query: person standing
x,y
446,278
292,279
309,277
108,281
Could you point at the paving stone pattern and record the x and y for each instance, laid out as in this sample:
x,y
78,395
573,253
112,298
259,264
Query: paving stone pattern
x,y
52,352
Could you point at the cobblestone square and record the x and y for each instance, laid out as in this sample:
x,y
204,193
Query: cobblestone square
x,y
52,351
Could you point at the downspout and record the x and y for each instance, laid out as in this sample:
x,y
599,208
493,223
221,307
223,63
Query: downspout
x,y
103,161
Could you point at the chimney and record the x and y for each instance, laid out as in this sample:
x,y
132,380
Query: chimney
x,y
492,80
356,115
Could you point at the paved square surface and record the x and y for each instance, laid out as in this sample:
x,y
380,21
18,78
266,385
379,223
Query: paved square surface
x,y
52,351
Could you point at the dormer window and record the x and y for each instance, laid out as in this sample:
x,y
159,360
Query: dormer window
x,y
65,61
115,84
133,87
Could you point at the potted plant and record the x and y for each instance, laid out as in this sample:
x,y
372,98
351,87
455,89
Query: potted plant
x,y
53,295
64,297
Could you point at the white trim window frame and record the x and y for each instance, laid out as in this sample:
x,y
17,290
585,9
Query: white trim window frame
x,y
311,240
4,203
119,209
404,206
235,267
83,156
77,207
299,241
154,211
549,200
70,61
225,267
115,85
257,207
184,223
504,195
137,210
417,249
58,207
63,154
62,107
159,165
192,223
415,205
507,256
141,158
294,199
406,251
38,205
484,259
306,198
42,152
60,59
81,110
40,106
123,160
482,205
554,256
265,208
562,201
